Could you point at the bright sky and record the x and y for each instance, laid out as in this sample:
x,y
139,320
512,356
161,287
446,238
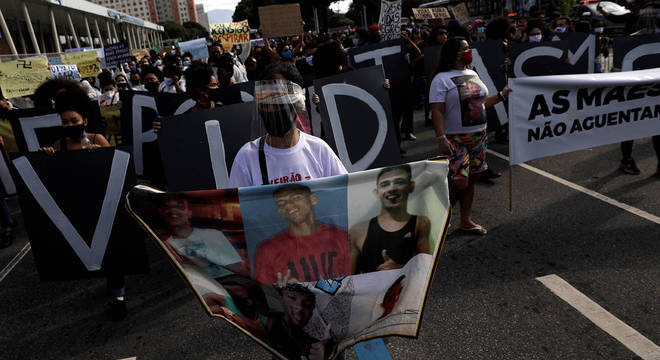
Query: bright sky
x,y
341,6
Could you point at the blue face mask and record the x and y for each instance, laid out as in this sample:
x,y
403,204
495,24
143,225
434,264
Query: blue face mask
x,y
287,54
186,63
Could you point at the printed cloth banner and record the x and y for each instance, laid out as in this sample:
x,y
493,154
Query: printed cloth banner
x,y
22,77
308,269
552,115
87,61
196,47
233,33
69,72
390,19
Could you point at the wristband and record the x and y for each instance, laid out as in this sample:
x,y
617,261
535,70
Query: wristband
x,y
500,96
443,136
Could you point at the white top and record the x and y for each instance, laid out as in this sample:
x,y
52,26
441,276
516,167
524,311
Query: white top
x,y
464,95
240,74
167,86
310,158
207,248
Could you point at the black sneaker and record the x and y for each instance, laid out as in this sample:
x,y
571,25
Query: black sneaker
x,y
409,137
117,310
628,166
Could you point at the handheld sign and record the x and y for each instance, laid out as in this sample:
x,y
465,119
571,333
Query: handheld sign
x,y
22,77
79,230
357,118
460,12
431,13
117,53
69,72
280,20
196,47
573,54
229,245
390,19
233,33
87,61
637,52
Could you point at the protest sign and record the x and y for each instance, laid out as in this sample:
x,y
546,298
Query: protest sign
x,y
233,33
54,60
22,77
80,230
637,52
461,13
77,50
117,53
35,128
87,61
69,72
242,241
139,110
357,118
280,20
552,115
430,13
390,55
139,53
390,19
196,47
492,73
7,185
198,148
573,54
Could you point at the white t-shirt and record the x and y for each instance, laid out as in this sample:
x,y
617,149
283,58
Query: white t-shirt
x,y
310,158
207,248
464,95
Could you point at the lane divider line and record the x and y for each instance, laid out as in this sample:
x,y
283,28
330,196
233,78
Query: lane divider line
x,y
626,335
21,254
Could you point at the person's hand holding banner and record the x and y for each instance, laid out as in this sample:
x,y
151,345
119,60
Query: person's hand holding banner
x,y
88,62
22,77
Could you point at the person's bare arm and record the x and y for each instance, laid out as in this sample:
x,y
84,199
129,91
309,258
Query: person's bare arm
x,y
494,99
438,116
356,236
423,230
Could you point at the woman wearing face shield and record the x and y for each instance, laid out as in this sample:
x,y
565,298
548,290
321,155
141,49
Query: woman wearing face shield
x,y
285,154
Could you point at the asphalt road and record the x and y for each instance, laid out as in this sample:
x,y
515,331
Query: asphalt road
x,y
485,301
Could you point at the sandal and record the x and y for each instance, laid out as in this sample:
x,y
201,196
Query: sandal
x,y
475,230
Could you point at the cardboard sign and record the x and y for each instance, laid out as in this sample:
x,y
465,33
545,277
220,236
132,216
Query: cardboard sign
x,y
233,33
280,20
390,19
574,54
22,77
83,230
198,148
35,128
139,53
357,118
117,54
240,239
69,72
139,110
637,52
196,47
558,114
87,61
461,13
431,13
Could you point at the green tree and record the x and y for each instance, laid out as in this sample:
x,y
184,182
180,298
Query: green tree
x,y
337,20
565,7
174,30
195,30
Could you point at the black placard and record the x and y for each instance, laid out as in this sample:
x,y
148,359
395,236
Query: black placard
x,y
40,127
185,150
554,57
641,52
77,184
7,184
360,123
117,53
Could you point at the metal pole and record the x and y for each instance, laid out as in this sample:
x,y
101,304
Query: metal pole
x,y
90,41
364,16
56,36
7,34
98,32
73,30
28,22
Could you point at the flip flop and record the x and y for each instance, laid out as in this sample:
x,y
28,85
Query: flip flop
x,y
475,230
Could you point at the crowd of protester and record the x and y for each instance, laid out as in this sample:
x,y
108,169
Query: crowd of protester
x,y
297,61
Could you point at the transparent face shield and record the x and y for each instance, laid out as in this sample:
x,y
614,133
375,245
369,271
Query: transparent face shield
x,y
279,104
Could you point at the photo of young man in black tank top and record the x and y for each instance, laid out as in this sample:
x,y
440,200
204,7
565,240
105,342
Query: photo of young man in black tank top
x,y
390,239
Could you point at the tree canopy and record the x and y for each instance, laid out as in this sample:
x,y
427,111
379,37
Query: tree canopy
x,y
188,31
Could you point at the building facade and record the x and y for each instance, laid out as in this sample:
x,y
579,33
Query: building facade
x,y
179,11
143,9
203,17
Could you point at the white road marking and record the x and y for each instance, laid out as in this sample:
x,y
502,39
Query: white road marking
x,y
629,337
631,209
21,254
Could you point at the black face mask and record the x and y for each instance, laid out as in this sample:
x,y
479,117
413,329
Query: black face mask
x,y
277,123
152,86
73,132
